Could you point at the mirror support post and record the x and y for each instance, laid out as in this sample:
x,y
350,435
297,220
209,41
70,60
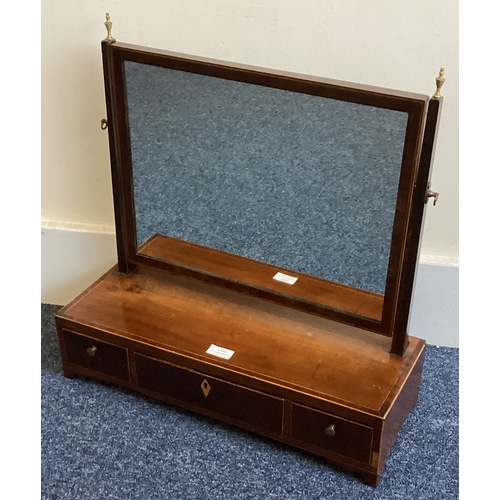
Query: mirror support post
x,y
124,264
417,212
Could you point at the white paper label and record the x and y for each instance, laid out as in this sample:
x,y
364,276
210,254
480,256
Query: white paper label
x,y
284,278
220,352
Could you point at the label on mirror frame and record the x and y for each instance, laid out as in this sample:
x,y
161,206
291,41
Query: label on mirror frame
x,y
220,352
284,278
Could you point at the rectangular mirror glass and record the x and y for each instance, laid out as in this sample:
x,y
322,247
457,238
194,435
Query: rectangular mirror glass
x,y
302,182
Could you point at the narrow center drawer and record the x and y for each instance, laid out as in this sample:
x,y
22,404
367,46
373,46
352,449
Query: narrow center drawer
x,y
204,392
331,433
98,356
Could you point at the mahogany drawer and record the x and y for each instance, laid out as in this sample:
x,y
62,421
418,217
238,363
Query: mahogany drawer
x,y
199,391
347,438
96,355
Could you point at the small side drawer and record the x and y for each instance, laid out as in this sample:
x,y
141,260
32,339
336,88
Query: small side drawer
x,y
101,357
345,437
201,391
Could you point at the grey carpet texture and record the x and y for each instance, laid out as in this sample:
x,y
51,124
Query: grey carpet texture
x,y
299,181
102,442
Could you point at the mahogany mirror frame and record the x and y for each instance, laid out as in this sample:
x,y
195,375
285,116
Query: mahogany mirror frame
x,y
423,117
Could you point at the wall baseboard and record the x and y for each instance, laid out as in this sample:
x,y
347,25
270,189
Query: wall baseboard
x,y
434,315
73,257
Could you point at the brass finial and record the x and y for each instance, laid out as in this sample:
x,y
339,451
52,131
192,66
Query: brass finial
x,y
439,83
109,25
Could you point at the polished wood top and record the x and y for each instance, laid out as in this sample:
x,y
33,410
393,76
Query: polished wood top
x,y
271,342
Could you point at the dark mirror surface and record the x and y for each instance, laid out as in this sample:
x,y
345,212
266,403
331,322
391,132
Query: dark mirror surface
x,y
298,181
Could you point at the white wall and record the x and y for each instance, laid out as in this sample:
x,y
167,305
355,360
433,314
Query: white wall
x,y
398,44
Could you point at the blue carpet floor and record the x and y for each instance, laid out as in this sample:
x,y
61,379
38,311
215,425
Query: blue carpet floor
x,y
102,442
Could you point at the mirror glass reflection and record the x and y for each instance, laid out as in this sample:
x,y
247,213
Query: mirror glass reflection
x,y
298,181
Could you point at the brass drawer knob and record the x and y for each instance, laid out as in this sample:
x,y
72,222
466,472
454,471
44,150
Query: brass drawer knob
x,y
91,351
330,430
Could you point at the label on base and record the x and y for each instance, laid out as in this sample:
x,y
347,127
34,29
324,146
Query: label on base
x,y
284,278
220,352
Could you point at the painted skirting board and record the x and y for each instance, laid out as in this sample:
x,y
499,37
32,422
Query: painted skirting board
x,y
434,314
74,256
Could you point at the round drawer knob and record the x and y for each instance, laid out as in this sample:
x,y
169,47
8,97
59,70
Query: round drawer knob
x,y
330,430
91,351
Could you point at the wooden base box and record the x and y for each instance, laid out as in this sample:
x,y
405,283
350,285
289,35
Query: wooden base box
x,y
150,332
